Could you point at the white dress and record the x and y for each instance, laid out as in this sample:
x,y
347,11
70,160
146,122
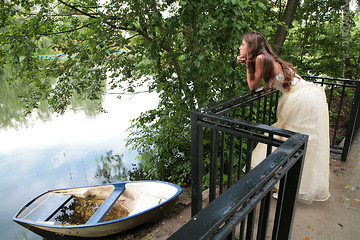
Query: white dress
x,y
304,109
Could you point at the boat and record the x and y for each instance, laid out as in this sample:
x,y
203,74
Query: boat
x,y
100,210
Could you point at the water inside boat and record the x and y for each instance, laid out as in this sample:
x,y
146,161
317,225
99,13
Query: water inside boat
x,y
79,211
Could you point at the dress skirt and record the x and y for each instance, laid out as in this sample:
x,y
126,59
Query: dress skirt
x,y
304,109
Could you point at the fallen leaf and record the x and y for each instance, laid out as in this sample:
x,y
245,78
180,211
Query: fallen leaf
x,y
353,205
310,227
347,199
357,200
346,186
306,238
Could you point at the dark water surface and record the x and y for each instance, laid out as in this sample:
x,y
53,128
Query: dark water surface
x,y
62,152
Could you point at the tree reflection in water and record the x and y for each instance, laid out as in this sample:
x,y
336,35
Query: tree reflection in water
x,y
14,115
110,168
79,211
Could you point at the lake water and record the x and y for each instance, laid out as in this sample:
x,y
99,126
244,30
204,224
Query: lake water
x,y
60,153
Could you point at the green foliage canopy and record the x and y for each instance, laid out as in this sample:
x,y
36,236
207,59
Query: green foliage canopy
x,y
183,50
315,43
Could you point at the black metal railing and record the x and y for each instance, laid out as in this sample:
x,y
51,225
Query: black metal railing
x,y
223,137
243,211
222,143
343,97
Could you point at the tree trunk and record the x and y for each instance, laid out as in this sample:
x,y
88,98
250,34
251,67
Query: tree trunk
x,y
286,18
358,67
345,35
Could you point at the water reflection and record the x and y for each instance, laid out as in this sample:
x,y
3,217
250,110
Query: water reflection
x,y
79,211
12,115
62,152
110,168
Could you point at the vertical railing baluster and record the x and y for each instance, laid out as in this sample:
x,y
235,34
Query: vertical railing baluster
x,y
231,161
242,230
277,94
264,110
222,162
258,111
248,155
213,164
240,158
250,225
339,113
270,108
196,164
264,217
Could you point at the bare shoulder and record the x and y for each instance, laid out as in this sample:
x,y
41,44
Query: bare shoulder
x,y
260,58
277,68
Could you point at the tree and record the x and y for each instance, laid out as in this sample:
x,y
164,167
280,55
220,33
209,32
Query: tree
x,y
315,43
345,36
184,50
287,18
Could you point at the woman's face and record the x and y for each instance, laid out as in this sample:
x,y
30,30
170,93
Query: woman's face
x,y
244,48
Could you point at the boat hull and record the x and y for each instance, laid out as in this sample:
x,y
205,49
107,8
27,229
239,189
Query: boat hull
x,y
142,211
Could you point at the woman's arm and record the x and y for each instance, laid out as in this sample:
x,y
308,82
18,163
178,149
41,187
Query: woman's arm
x,y
258,75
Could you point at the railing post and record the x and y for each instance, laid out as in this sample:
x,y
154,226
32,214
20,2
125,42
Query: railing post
x,y
353,124
196,163
288,197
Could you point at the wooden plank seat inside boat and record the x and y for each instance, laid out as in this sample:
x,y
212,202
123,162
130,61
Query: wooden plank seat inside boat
x,y
106,205
48,205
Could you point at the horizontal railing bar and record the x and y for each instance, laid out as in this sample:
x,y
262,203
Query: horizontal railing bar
x,y
336,151
244,123
215,105
243,133
258,92
335,84
237,105
329,78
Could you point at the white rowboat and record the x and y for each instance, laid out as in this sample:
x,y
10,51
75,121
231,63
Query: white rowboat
x,y
97,211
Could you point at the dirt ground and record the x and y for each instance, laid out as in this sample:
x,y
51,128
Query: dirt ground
x,y
335,219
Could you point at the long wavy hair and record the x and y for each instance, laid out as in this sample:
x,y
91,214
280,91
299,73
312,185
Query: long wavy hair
x,y
259,45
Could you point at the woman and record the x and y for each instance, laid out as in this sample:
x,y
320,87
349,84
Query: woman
x,y
301,108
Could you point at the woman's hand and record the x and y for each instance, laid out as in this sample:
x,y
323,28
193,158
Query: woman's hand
x,y
240,59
